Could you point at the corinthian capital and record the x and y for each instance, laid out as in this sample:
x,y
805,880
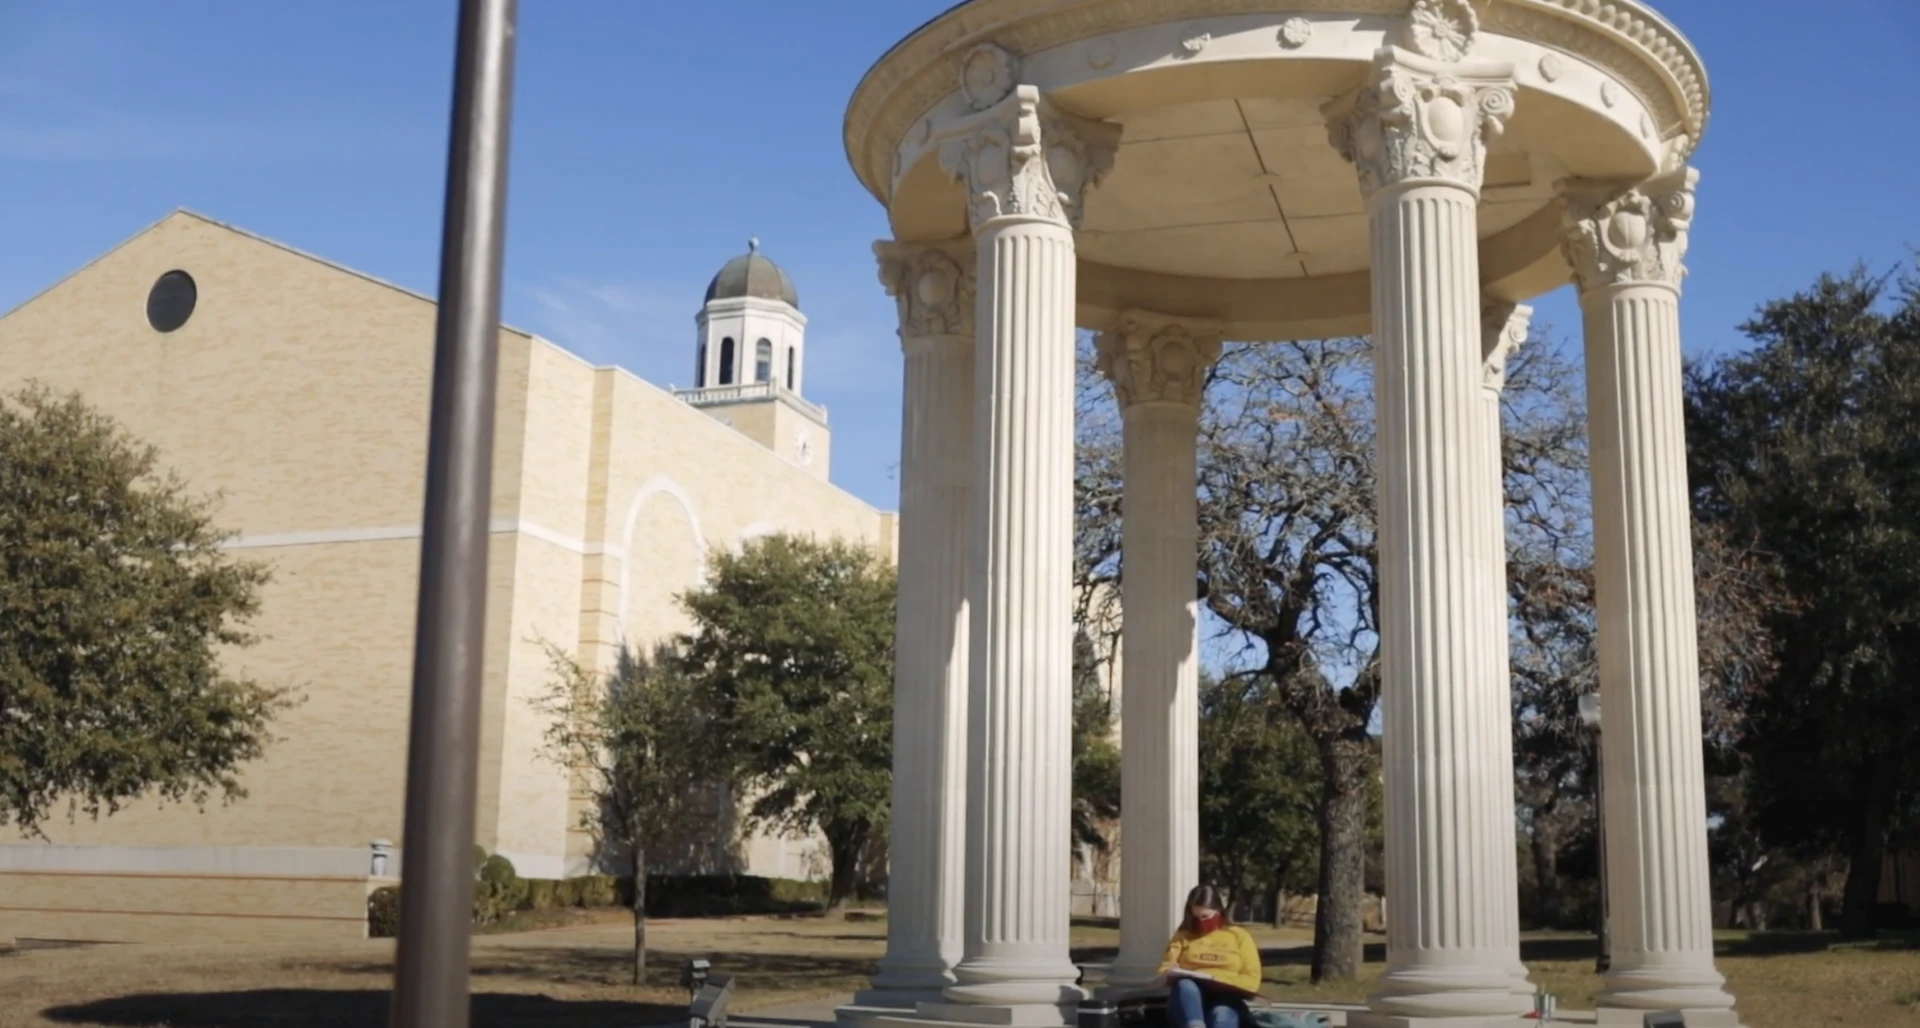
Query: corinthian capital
x,y
1422,121
1503,329
1151,358
933,284
1023,158
1638,237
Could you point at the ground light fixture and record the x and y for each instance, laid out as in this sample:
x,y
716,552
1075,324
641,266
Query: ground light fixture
x,y
694,977
709,1006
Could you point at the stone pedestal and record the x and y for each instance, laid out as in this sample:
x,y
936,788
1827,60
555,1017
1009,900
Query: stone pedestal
x,y
1158,367
934,287
1417,137
1024,168
1628,251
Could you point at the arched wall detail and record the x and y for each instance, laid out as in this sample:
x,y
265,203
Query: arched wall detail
x,y
656,486
754,531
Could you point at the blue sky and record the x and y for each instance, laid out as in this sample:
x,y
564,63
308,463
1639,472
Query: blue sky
x,y
655,137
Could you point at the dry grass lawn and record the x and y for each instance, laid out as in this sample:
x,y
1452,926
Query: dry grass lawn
x,y
577,976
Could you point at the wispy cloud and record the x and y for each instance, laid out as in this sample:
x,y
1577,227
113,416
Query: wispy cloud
x,y
40,123
642,326
648,328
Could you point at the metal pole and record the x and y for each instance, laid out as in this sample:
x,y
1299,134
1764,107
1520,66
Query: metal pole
x,y
436,897
1605,960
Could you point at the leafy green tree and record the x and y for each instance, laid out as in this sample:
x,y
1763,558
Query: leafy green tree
x,y
116,602
1259,794
792,651
634,740
1096,757
1808,445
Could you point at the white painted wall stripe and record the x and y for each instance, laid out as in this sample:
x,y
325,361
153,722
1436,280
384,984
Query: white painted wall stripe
x,y
334,536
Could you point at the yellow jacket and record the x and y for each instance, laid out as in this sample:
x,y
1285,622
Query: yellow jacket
x,y
1225,953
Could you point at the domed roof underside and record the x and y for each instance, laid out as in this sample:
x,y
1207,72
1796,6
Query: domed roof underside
x,y
753,275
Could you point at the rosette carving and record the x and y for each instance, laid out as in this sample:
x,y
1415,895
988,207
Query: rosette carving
x,y
1421,120
1023,158
1441,29
1636,237
1154,359
933,284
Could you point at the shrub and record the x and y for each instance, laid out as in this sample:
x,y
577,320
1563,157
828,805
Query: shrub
x,y
540,893
596,891
498,891
383,913
729,895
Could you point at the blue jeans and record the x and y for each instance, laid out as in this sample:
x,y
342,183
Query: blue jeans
x,y
1187,1005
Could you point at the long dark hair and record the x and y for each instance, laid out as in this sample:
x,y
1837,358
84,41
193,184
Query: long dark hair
x,y
1204,896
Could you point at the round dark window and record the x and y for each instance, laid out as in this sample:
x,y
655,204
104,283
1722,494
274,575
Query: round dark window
x,y
170,303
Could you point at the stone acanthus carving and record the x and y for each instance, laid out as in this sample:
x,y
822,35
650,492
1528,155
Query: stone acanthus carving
x,y
1295,33
1440,29
987,74
1422,120
933,284
1503,330
1638,237
1154,359
1023,158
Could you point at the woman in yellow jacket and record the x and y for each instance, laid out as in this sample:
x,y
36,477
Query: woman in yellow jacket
x,y
1211,966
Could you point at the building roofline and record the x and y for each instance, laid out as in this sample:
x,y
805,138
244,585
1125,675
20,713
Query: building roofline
x,y
249,234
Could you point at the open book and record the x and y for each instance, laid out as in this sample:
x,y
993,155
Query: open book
x,y
1207,981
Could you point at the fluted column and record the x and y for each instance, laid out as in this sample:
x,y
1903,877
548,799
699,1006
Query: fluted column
x,y
934,287
1158,367
1025,168
1627,251
1417,135
1503,330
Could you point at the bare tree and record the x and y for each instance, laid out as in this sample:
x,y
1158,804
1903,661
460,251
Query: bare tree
x,y
1553,627
1285,567
633,740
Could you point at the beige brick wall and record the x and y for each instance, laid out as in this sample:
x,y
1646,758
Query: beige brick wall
x,y
181,908
299,391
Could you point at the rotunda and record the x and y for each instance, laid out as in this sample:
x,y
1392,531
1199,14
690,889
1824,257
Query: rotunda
x,y
1173,175
750,326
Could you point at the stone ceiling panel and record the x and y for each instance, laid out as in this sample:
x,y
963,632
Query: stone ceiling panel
x,y
1235,250
1202,180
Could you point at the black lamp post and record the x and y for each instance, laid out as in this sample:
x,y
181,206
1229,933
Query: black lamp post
x,y
1590,717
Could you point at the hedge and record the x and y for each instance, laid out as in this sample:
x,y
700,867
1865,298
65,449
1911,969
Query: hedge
x,y
498,891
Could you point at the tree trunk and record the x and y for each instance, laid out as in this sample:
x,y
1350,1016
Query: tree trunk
x,y
1279,897
639,915
1867,854
1548,904
843,849
1815,922
1338,945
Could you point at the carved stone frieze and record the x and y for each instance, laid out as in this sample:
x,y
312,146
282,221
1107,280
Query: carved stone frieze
x,y
933,284
1421,120
1151,358
1635,237
1023,158
1620,37
1503,330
